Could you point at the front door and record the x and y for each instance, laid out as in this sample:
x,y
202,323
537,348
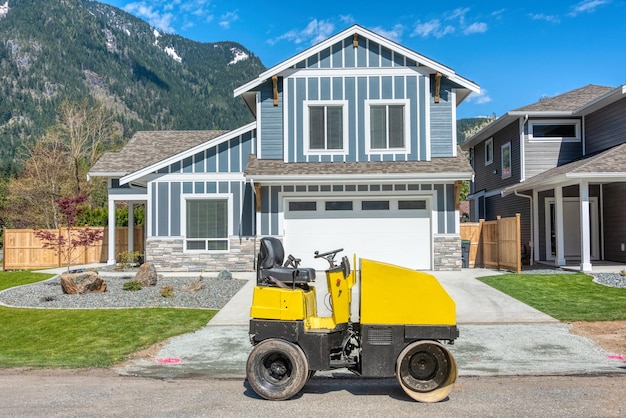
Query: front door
x,y
571,233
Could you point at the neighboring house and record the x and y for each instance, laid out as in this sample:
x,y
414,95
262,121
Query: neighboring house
x,y
561,164
354,147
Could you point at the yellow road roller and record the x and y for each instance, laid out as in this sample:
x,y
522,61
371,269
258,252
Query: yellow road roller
x,y
405,318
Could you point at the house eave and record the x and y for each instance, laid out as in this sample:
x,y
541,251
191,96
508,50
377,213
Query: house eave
x,y
420,59
358,178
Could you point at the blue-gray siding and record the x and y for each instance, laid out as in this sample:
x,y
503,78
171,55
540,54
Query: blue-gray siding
x,y
541,155
606,128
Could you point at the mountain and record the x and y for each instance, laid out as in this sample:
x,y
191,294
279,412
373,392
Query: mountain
x,y
470,126
52,51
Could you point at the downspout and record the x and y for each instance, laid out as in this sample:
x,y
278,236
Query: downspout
x,y
531,243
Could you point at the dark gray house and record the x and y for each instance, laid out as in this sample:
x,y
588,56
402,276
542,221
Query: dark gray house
x,y
353,146
561,164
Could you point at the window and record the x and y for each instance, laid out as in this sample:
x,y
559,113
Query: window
x,y
326,127
302,206
489,151
506,160
206,224
554,130
412,204
386,126
375,205
339,205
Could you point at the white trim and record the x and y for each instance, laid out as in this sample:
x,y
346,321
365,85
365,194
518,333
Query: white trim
x,y
407,122
487,143
237,176
184,197
211,143
306,105
454,138
329,42
533,122
356,178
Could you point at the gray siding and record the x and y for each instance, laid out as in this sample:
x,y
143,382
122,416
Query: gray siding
x,y
543,155
488,177
614,215
441,126
271,125
606,128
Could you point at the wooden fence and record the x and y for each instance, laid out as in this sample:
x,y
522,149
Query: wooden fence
x,y
24,251
494,244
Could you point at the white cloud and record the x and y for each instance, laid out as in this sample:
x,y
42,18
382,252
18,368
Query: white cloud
x,y
395,33
478,27
347,19
546,18
316,31
587,6
227,18
479,98
156,18
432,28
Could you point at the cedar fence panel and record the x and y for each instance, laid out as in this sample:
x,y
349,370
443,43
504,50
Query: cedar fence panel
x,y
494,244
24,251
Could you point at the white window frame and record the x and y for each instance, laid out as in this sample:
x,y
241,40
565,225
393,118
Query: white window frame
x,y
532,123
488,145
307,104
504,175
407,131
183,219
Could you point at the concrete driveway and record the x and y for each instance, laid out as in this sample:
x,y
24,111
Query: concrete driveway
x,y
498,336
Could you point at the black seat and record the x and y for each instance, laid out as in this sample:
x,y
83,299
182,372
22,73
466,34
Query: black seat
x,y
270,269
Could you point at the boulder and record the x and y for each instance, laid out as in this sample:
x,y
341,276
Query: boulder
x,y
84,282
147,275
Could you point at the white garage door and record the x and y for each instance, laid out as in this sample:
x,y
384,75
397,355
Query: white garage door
x,y
396,231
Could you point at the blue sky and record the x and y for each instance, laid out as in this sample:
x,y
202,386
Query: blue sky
x,y
518,52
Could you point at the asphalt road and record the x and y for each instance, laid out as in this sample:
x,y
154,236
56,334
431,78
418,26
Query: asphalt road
x,y
103,393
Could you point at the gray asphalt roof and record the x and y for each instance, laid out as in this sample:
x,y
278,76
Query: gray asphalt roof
x,y
149,147
570,101
263,167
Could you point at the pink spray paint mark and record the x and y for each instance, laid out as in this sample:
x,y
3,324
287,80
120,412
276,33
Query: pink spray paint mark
x,y
168,360
617,357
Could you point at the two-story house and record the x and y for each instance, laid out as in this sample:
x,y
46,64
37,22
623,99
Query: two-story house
x,y
561,164
353,146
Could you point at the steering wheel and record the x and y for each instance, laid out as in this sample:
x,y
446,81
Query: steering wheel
x,y
328,256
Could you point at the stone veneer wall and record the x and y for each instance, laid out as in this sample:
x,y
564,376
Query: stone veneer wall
x,y
167,255
447,252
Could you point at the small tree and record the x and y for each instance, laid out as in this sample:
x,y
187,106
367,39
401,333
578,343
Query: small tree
x,y
70,208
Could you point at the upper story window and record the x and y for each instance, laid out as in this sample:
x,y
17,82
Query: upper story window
x,y
554,130
489,151
387,126
506,160
326,127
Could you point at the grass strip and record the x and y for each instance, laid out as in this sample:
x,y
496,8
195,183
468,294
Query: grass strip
x,y
566,297
84,338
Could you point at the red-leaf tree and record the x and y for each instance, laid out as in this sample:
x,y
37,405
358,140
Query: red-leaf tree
x,y
70,208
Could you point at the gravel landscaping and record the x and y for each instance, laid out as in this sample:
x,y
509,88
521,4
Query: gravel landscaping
x,y
189,292
606,279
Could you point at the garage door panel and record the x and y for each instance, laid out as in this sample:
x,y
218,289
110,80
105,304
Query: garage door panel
x,y
405,241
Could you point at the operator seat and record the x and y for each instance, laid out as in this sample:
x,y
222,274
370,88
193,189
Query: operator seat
x,y
271,271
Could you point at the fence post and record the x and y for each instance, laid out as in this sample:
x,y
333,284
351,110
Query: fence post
x,y
498,243
519,236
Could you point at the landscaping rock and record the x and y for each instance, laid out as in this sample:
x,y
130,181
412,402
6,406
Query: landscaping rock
x,y
225,275
80,283
147,275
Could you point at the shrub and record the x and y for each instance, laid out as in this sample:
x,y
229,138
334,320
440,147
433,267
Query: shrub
x,y
132,286
128,259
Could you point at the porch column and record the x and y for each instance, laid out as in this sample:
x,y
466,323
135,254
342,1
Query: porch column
x,y
131,226
111,257
560,241
585,234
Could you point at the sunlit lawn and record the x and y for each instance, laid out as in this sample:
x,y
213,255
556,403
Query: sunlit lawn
x,y
567,297
84,338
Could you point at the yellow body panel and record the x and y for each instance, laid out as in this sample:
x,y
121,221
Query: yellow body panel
x,y
396,295
283,304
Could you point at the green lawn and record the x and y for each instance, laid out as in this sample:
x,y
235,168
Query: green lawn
x,y
84,338
566,297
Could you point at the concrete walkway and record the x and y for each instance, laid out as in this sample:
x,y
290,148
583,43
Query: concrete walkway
x,y
498,336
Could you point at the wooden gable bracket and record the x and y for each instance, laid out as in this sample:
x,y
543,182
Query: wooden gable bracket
x,y
275,89
355,40
457,194
257,193
437,86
